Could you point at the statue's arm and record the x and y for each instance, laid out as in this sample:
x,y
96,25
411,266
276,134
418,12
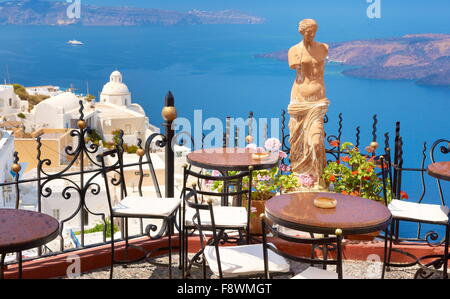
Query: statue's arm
x,y
325,48
293,59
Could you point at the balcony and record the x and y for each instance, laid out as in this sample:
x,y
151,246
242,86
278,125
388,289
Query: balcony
x,y
78,189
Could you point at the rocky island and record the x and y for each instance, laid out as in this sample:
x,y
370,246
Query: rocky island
x,y
39,12
424,58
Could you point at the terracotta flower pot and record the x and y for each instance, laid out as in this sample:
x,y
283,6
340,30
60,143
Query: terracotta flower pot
x,y
255,221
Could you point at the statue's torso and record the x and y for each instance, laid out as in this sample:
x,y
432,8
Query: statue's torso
x,y
309,64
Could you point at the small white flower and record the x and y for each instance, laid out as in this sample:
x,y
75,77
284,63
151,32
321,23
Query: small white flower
x,y
272,144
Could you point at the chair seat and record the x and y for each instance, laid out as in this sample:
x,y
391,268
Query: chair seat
x,y
146,206
419,212
245,260
316,273
223,216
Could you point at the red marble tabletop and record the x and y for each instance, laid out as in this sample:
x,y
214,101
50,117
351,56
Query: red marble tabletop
x,y
440,170
354,215
22,230
238,159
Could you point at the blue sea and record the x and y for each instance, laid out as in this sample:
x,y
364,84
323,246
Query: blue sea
x,y
213,68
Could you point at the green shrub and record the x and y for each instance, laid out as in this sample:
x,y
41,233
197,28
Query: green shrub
x,y
100,228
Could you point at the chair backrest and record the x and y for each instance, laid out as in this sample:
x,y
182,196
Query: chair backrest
x,y
325,241
225,180
202,228
396,168
117,167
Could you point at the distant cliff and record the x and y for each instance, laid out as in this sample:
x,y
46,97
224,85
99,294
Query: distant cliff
x,y
424,58
38,12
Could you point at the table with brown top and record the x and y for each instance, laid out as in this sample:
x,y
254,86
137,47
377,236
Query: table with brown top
x,y
230,159
22,230
440,170
353,215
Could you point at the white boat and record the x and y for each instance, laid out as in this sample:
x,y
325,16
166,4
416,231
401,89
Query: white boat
x,y
75,42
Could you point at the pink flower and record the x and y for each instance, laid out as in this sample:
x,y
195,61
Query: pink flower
x,y
285,168
306,180
263,178
216,173
283,155
272,144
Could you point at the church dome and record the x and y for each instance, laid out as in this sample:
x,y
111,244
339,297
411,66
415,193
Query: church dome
x,y
115,86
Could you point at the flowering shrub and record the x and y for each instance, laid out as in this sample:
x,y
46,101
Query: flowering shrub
x,y
306,180
272,144
356,175
265,183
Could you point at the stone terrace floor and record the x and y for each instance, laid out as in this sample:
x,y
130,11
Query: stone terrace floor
x,y
143,270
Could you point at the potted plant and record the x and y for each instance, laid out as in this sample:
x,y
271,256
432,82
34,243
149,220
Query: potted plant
x,y
265,185
355,174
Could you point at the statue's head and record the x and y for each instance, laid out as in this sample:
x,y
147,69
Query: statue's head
x,y
308,28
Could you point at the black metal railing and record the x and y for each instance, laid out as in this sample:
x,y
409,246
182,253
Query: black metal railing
x,y
78,177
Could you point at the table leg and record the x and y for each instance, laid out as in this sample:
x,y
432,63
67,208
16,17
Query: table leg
x,y
20,264
225,189
447,240
2,264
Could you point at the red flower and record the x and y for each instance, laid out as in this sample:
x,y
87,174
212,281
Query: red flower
x,y
366,178
369,149
404,195
344,192
334,143
355,172
345,159
354,193
332,178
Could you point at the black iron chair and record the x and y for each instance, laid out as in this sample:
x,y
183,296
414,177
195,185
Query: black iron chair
x,y
311,272
228,218
418,212
164,209
242,261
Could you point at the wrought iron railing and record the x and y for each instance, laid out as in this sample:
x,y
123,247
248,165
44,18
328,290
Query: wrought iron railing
x,y
85,168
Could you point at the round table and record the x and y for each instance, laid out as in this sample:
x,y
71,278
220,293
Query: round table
x,y
230,159
22,230
440,170
353,215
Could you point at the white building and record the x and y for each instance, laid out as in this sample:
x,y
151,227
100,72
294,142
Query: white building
x,y
46,90
116,111
7,194
58,112
10,103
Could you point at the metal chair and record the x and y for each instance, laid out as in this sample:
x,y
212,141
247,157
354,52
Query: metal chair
x,y
417,212
140,206
227,218
242,261
310,272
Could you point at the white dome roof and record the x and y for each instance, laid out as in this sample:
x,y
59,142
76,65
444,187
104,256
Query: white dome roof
x,y
115,86
67,100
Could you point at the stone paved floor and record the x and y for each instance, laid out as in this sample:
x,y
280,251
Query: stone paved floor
x,y
357,269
